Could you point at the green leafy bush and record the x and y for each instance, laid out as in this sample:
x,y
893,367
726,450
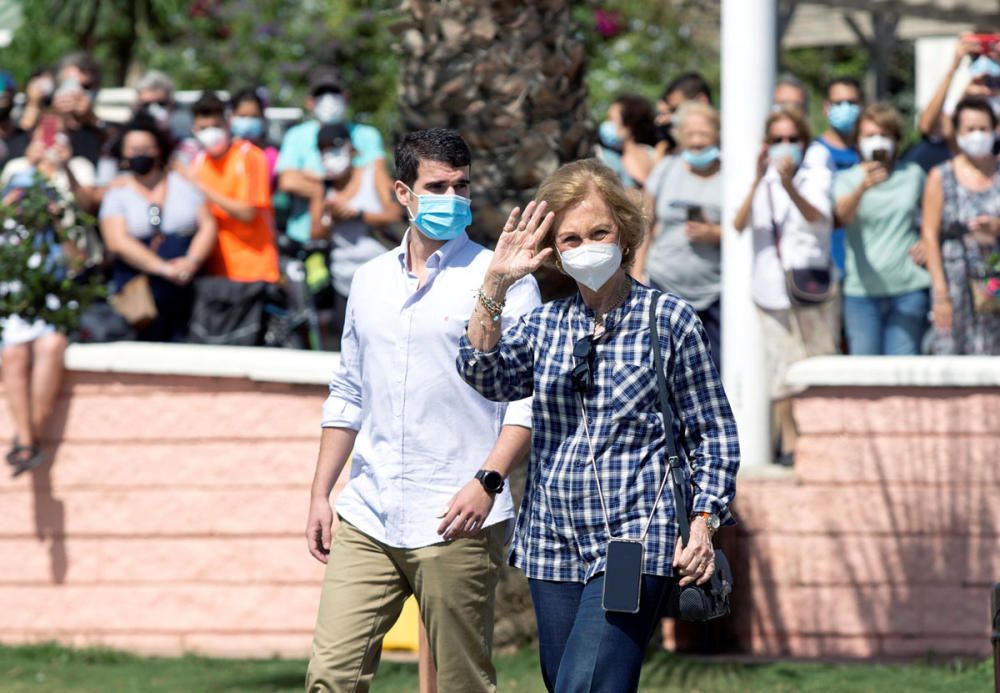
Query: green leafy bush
x,y
42,237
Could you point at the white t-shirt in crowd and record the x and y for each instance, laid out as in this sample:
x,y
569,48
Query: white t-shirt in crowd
x,y
803,244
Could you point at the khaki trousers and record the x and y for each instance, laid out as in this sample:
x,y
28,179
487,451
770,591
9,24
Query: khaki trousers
x,y
364,589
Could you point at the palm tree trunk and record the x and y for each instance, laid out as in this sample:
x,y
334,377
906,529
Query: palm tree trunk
x,y
508,75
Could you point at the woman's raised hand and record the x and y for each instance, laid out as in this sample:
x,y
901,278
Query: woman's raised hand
x,y
519,249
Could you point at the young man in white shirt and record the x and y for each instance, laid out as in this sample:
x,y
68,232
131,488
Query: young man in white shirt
x,y
425,511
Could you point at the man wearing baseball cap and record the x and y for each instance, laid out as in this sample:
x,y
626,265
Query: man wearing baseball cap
x,y
300,168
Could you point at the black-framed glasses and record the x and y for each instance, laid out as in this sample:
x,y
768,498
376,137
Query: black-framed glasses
x,y
583,374
791,139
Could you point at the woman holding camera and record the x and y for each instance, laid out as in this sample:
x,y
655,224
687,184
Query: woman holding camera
x,y
885,291
599,464
961,232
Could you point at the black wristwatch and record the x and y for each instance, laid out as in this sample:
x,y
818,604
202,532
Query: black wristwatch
x,y
491,481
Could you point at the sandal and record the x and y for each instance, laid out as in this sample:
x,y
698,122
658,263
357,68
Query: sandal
x,y
24,458
15,446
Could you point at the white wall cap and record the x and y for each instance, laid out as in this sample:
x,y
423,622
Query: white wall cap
x,y
896,371
254,363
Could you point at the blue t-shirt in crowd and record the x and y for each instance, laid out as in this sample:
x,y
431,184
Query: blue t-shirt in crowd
x,y
299,152
842,159
927,153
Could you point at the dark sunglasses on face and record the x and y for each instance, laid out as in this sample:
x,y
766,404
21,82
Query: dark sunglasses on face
x,y
583,376
853,102
326,90
793,139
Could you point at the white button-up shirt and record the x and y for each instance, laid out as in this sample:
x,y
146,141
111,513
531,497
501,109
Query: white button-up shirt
x,y
423,433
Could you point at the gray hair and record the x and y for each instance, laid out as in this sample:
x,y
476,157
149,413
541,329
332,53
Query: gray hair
x,y
695,109
154,79
793,81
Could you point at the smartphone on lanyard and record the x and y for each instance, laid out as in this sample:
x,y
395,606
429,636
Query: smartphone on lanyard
x,y
623,576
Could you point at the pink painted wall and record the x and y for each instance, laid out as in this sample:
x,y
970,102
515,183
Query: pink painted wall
x,y
886,538
171,520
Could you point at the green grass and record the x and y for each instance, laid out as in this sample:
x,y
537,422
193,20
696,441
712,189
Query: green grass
x,y
51,668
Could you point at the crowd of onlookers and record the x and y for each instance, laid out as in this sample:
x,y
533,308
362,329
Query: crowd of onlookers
x,y
187,213
862,245
189,239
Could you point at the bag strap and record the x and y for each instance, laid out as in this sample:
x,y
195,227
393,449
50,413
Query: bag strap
x,y
775,227
674,464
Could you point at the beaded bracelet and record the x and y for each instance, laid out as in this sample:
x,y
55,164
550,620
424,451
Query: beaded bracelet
x,y
492,306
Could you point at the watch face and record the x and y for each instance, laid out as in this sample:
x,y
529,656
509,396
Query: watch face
x,y
492,481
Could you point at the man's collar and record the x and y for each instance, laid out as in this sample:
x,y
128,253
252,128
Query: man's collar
x,y
440,257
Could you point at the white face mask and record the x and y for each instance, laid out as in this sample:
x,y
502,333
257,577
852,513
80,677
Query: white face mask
x,y
213,140
330,108
336,161
977,144
592,264
869,145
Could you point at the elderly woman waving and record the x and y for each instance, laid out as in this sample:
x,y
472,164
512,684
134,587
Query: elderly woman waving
x,y
599,461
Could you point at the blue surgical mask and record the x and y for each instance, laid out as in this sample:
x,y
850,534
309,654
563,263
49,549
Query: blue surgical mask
x,y
776,152
702,158
984,65
441,217
247,127
608,134
843,116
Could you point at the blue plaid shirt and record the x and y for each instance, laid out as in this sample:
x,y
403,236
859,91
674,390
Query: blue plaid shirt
x,y
560,533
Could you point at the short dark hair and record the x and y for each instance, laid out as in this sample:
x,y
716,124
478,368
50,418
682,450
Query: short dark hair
x,y
144,123
847,81
691,84
638,116
436,144
208,105
247,94
973,103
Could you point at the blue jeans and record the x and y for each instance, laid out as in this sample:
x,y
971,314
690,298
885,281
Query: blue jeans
x,y
584,648
886,325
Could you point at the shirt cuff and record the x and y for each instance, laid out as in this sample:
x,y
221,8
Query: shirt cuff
x,y
470,356
705,503
518,413
339,413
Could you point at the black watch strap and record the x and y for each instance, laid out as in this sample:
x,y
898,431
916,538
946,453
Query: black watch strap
x,y
492,481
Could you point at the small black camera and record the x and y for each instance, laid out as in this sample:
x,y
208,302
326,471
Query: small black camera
x,y
708,601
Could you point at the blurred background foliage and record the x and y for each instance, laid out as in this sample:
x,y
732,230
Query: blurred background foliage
x,y
633,45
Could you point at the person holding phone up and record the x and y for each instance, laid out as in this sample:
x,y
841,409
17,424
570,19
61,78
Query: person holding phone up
x,y
885,291
790,212
682,253
599,462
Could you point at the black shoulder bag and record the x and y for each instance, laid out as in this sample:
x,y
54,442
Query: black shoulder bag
x,y
694,602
